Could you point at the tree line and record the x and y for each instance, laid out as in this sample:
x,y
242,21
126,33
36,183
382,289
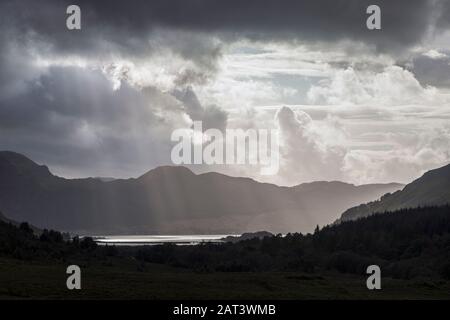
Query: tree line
x,y
408,243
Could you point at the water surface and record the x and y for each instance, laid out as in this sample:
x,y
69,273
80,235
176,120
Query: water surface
x,y
160,239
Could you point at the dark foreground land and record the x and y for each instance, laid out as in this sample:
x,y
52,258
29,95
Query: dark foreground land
x,y
412,247
20,280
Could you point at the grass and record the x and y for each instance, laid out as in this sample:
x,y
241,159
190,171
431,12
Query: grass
x,y
118,279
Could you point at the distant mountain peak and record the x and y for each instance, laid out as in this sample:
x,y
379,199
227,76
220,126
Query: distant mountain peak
x,y
167,171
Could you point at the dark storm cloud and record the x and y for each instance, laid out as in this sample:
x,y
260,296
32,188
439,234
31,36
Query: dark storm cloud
x,y
443,9
40,26
404,21
127,24
72,116
211,116
81,122
434,72
138,28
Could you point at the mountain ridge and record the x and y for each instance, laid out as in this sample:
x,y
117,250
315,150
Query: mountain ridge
x,y
169,199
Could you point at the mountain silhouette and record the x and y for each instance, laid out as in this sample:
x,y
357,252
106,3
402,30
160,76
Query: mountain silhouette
x,y
170,199
432,189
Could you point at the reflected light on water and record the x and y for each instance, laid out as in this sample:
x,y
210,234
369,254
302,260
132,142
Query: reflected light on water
x,y
159,239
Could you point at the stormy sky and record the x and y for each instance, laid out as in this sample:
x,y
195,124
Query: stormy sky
x,y
351,104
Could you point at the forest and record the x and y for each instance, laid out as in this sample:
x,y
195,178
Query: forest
x,y
406,244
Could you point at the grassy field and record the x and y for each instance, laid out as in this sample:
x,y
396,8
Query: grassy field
x,y
128,280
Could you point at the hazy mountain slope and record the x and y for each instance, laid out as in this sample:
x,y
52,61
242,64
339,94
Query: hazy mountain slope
x,y
433,188
3,218
321,200
170,200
